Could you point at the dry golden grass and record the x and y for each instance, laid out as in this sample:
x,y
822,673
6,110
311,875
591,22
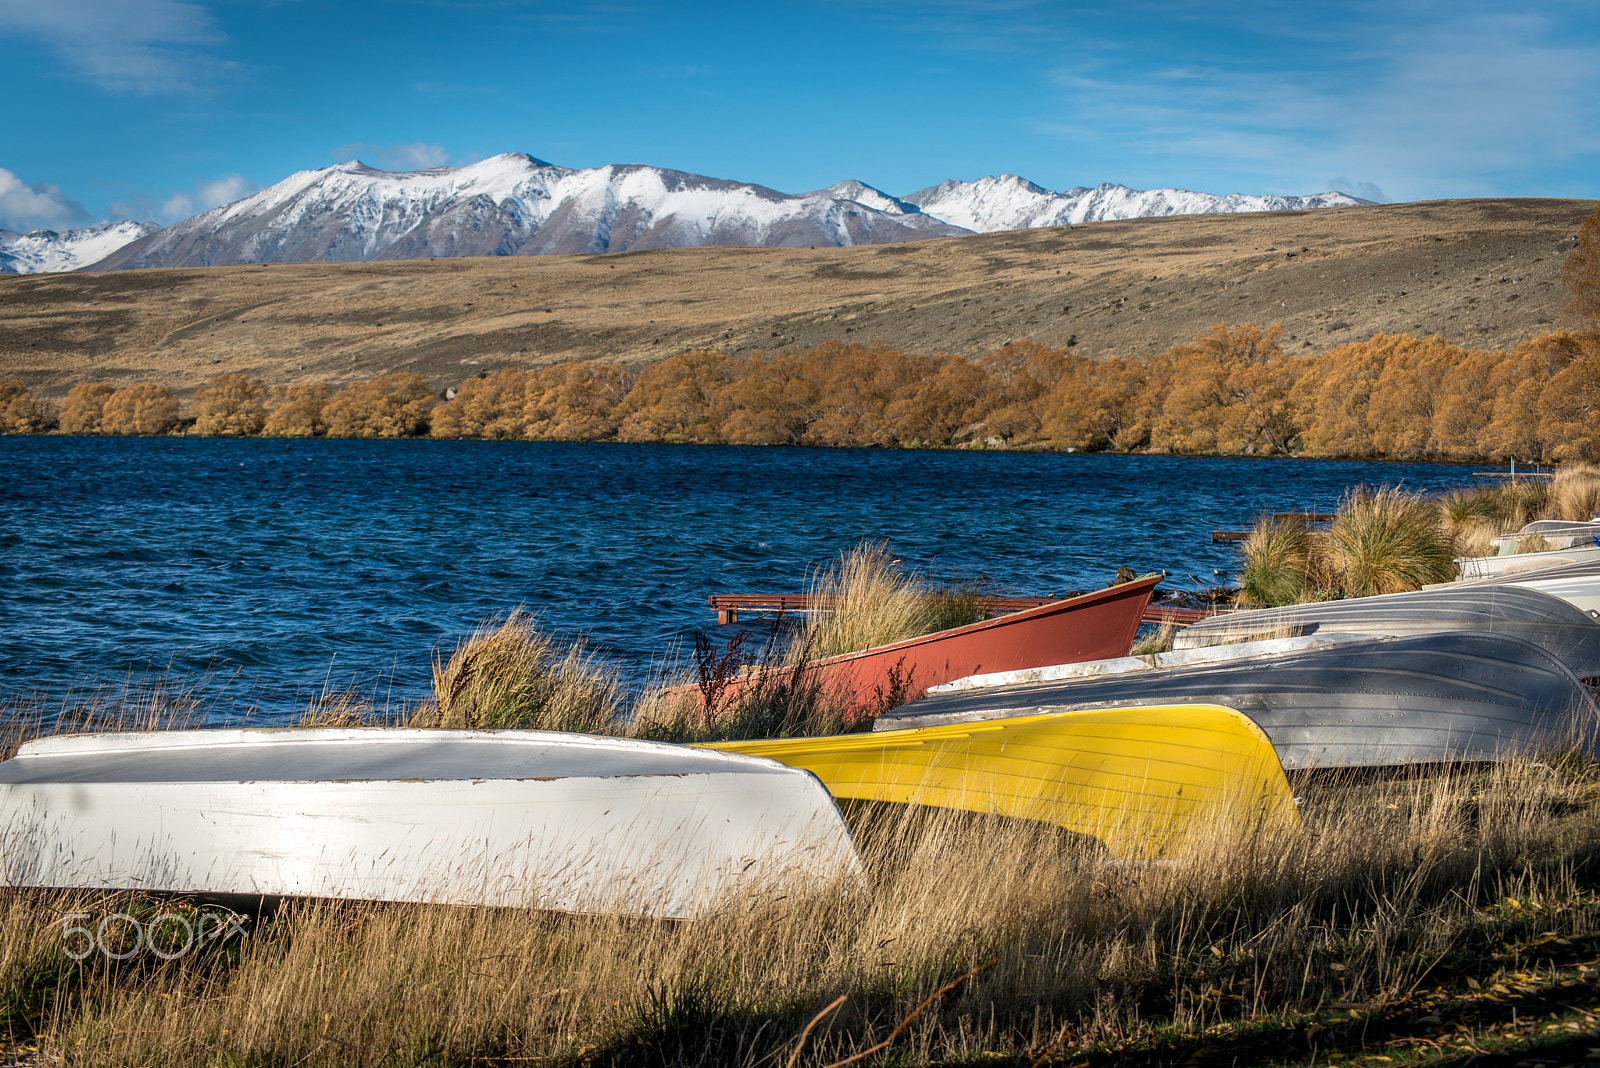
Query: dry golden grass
x,y
1390,884
1388,541
1380,541
871,599
511,675
1575,493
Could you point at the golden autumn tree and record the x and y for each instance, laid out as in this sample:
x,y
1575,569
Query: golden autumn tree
x,y
770,401
84,406
1516,391
857,383
142,409
1570,403
295,411
679,399
939,402
1109,403
1465,405
487,406
1231,392
1581,273
577,401
1021,376
390,406
20,411
1334,393
1406,396
230,406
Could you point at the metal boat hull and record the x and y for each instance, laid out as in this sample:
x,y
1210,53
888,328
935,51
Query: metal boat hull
x,y
1422,699
1506,608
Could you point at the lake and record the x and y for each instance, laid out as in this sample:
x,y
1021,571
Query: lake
x,y
271,569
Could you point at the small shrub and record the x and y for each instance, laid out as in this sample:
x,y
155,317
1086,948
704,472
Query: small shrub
x,y
513,676
1388,541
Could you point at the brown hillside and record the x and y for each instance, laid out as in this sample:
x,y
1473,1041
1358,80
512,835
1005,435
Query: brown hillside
x,y
1485,273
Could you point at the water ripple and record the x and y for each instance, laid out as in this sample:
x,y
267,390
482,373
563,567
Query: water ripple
x,y
276,568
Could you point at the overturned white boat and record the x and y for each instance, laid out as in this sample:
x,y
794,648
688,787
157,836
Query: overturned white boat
x,y
509,818
1422,699
1507,608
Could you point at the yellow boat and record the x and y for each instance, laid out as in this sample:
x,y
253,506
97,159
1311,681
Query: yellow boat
x,y
1145,781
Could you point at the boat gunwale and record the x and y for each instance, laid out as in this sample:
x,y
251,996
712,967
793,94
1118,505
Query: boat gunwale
x,y
1010,619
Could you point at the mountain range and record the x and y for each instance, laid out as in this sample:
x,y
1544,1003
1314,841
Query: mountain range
x,y
516,205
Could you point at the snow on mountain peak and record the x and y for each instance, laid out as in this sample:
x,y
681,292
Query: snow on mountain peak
x,y
516,204
1007,202
48,250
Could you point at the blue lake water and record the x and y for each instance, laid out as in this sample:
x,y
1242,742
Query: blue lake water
x,y
271,569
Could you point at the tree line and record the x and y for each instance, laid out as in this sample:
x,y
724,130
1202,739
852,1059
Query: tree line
x,y
1231,391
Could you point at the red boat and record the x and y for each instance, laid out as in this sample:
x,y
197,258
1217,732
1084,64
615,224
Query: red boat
x,y
1095,626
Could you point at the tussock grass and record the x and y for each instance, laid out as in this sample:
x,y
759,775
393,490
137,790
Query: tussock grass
x,y
1388,541
1381,540
1394,885
1277,568
1575,493
871,599
511,675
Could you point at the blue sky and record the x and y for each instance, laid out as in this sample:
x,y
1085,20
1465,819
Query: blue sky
x,y
156,109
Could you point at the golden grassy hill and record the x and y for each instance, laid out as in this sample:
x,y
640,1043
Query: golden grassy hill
x,y
1484,273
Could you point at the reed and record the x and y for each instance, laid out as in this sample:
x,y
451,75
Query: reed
x,y
511,675
1388,541
1412,894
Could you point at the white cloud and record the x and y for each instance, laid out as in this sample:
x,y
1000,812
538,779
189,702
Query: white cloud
x,y
145,46
1463,103
1357,188
413,157
204,197
25,206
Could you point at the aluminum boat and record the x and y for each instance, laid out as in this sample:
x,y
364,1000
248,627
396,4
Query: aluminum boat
x,y
1421,699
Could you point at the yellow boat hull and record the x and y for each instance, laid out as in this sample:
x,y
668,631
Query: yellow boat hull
x,y
1145,781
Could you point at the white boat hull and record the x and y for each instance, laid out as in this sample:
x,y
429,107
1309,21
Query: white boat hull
x,y
531,819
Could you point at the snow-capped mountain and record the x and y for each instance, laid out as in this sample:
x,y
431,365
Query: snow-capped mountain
x,y
49,250
862,193
1011,203
515,205
509,205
